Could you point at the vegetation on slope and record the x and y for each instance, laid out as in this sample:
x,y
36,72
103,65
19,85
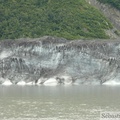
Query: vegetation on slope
x,y
114,3
71,19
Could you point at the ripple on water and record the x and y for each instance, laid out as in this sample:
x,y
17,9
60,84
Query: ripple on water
x,y
57,103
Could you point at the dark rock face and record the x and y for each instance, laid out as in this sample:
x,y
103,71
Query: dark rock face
x,y
37,60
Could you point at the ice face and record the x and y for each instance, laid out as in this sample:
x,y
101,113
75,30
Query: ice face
x,y
58,61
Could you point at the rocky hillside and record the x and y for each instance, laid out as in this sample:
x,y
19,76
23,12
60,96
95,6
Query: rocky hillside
x,y
73,19
113,3
111,9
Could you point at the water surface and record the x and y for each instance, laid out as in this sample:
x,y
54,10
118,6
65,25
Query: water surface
x,y
57,102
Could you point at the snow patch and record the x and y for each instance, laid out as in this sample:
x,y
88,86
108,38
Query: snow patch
x,y
51,82
112,83
21,83
7,82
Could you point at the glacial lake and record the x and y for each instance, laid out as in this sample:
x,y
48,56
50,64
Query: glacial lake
x,y
70,102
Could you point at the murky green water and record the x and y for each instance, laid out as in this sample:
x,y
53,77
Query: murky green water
x,y
57,102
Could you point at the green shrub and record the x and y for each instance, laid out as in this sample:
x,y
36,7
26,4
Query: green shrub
x,y
114,3
71,19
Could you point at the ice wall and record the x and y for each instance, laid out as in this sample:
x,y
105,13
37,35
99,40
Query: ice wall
x,y
75,62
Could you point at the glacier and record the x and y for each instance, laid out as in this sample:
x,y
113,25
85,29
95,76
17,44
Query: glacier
x,y
52,60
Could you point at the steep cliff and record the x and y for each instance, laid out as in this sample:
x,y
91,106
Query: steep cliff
x,y
40,60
